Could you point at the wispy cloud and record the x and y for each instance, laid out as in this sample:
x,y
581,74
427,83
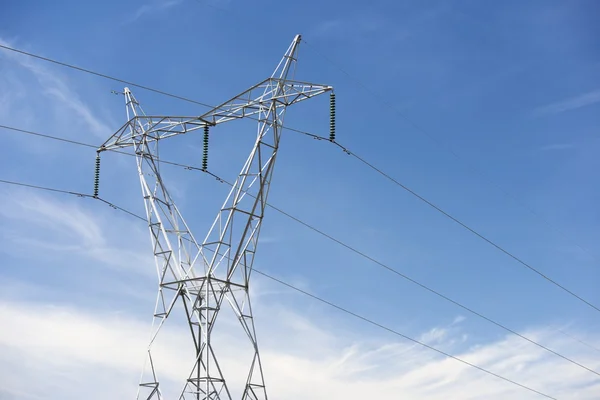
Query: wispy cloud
x,y
571,103
96,347
360,27
62,96
350,28
35,224
153,8
302,353
558,146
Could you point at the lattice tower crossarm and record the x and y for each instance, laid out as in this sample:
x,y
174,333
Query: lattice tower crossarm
x,y
201,276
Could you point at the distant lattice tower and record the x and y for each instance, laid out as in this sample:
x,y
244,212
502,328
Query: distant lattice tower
x,y
200,276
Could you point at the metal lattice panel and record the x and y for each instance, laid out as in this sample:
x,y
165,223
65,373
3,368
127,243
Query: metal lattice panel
x,y
201,276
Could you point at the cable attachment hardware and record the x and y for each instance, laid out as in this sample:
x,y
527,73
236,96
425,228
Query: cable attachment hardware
x,y
97,175
332,117
205,150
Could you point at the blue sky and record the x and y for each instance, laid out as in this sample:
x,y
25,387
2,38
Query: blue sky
x,y
488,109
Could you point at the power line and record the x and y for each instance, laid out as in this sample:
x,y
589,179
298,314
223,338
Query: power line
x,y
484,238
112,78
362,160
348,247
395,332
340,308
78,194
121,209
188,167
423,286
456,220
437,208
48,136
578,340
443,145
379,171
448,215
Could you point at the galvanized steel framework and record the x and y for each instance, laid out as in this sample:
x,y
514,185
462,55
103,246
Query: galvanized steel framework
x,y
201,276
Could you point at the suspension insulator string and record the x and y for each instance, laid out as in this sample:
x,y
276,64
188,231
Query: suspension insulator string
x,y
205,151
332,117
97,175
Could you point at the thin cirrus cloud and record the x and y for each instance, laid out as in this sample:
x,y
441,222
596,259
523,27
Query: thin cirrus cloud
x,y
78,230
569,104
349,27
103,349
558,146
67,103
321,356
152,8
68,350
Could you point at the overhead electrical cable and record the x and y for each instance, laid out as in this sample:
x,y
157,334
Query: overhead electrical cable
x,y
379,171
395,332
78,194
339,242
28,132
48,189
454,219
420,129
442,145
105,76
315,297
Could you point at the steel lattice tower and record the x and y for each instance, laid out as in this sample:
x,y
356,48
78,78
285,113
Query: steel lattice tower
x,y
200,276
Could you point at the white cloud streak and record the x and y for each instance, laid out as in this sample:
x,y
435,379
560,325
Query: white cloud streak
x,y
70,352
558,146
569,104
153,8
45,342
60,227
70,349
63,98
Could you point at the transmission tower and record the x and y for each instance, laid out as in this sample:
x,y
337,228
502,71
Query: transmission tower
x,y
200,276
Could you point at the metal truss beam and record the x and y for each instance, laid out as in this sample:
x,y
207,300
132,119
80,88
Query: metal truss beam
x,y
201,276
